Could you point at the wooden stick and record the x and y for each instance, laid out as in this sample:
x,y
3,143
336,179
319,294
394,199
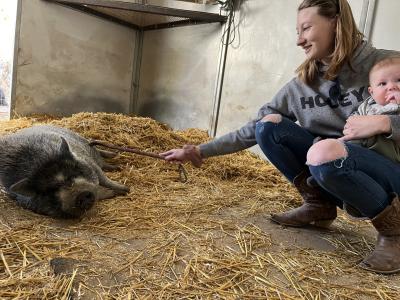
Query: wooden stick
x,y
125,149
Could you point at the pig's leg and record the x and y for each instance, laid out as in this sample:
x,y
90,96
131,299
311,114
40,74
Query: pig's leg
x,y
104,193
110,167
107,154
118,188
104,181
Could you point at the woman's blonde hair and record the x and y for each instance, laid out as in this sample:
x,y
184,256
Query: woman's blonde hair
x,y
347,38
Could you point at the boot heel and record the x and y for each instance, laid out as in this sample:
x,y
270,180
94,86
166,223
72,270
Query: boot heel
x,y
323,223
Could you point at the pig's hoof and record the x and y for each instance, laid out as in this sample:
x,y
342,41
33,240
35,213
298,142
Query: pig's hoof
x,y
106,154
123,190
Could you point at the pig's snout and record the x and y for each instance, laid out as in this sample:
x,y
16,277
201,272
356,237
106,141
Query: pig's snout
x,y
85,200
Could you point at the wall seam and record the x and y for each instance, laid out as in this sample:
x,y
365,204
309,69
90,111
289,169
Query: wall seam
x,y
136,66
15,59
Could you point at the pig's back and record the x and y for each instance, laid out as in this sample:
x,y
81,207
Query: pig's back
x,y
78,145
25,151
22,155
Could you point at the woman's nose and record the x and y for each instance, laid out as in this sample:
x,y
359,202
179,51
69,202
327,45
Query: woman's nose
x,y
300,40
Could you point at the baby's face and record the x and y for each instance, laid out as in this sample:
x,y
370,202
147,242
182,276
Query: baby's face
x,y
385,84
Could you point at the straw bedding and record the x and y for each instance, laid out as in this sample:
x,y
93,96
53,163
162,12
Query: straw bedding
x,y
208,238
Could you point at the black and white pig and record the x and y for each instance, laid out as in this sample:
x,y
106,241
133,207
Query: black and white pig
x,y
54,171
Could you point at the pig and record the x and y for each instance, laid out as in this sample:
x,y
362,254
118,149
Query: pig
x,y
53,171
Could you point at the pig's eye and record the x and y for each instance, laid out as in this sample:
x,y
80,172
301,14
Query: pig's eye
x,y
69,182
54,188
61,181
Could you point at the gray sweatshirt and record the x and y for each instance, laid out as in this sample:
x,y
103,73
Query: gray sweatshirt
x,y
314,107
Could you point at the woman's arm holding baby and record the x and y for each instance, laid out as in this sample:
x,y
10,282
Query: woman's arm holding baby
x,y
359,127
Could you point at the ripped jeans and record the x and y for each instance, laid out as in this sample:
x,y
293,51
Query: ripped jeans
x,y
364,179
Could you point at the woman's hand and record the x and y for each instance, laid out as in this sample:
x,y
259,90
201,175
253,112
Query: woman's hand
x,y
359,127
187,153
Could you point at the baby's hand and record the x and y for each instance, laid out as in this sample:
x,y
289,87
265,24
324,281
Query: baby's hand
x,y
393,97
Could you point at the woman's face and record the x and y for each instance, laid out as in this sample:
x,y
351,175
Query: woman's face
x,y
316,34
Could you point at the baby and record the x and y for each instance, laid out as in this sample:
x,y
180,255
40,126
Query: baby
x,y
384,80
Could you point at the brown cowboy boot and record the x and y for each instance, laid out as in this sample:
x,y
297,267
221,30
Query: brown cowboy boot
x,y
314,211
386,256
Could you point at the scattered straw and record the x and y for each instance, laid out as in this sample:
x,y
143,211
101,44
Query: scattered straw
x,y
208,238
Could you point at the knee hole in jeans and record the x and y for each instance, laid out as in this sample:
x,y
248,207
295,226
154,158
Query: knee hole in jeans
x,y
273,118
326,151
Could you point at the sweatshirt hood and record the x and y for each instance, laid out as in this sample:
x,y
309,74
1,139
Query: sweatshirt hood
x,y
362,52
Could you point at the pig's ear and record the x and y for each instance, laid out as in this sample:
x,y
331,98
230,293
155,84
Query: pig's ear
x,y
64,148
22,188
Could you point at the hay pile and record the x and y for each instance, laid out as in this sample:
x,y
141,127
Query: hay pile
x,y
208,238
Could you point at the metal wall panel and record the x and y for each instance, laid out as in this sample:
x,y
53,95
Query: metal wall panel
x,y
70,62
178,74
385,27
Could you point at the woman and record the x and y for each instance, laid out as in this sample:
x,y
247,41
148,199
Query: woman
x,y
329,86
